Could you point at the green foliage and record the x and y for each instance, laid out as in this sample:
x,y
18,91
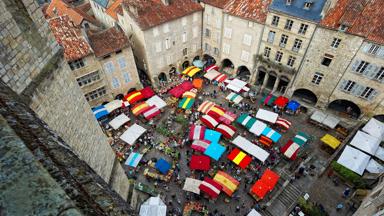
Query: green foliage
x,y
164,131
349,175
309,208
181,120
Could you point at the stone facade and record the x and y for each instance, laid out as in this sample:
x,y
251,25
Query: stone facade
x,y
212,31
373,204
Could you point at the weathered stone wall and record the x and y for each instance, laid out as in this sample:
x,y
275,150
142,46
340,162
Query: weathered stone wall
x,y
213,19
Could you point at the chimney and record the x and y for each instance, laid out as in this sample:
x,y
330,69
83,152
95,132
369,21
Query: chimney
x,y
166,2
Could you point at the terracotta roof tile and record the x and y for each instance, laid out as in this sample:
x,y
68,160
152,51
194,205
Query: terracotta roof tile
x,y
70,38
362,17
216,3
107,41
151,13
114,8
84,7
255,10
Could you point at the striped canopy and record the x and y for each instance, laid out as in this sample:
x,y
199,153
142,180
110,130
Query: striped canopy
x,y
133,159
212,67
189,94
283,123
268,99
205,107
191,71
301,138
210,187
228,131
186,103
228,117
228,183
271,134
209,121
152,112
140,108
216,111
239,158
246,120
200,145
235,98
290,150
196,132
134,96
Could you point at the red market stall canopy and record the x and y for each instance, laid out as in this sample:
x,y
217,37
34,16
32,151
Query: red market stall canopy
x,y
134,97
216,111
239,158
180,89
228,131
196,132
147,92
228,117
209,121
270,178
212,67
200,145
259,190
140,108
191,71
283,123
281,101
205,107
152,112
200,162
228,183
290,149
210,187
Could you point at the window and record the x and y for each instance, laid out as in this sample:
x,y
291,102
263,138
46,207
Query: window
x,y
208,19
245,56
278,57
195,32
343,28
115,83
118,52
335,42
127,77
109,67
297,45
207,33
250,24
307,5
76,64
348,85
327,59
184,37
158,47
184,21
185,51
95,94
167,44
122,63
271,36
380,75
283,40
166,28
89,78
228,33
206,47
226,48
247,39
373,49
288,24
275,20
368,93
317,78
289,2
267,52
215,51
291,61
106,56
362,67
303,28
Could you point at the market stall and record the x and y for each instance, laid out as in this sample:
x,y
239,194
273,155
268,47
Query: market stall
x,y
237,85
253,212
239,158
100,112
216,111
267,116
259,190
196,132
212,67
228,131
251,148
140,108
133,159
375,128
192,185
200,162
374,167
205,107
191,71
198,83
234,98
292,107
228,117
281,102
246,120
209,121
200,145
210,187
190,94
156,101
212,136
330,141
365,142
147,92
283,124
228,183
113,105
119,121
132,134
324,120
270,178
290,150
271,134
354,159
186,103
215,150
162,166
258,127
179,90
380,153
151,112
268,100
154,206
134,97
300,138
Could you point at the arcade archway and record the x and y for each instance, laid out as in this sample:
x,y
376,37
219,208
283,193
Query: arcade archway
x,y
345,106
162,77
185,65
227,66
305,95
243,73
379,117
208,60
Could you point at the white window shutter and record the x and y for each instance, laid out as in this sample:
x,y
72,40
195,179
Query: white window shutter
x,y
228,33
357,89
372,70
366,47
380,52
355,65
373,95
343,83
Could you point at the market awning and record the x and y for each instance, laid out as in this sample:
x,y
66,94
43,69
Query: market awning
x,y
237,85
270,178
147,92
267,116
228,183
197,83
268,99
154,206
281,101
318,116
258,127
300,138
196,132
221,78
162,166
186,103
200,145
260,189
100,112
152,112
212,136
198,63
331,141
228,131
157,101
331,121
205,107
283,123
228,117
134,97
290,149
209,121
380,153
132,134
354,160
215,151
365,142
293,105
253,212
374,167
271,134
189,94
239,158
133,159
180,89
192,185
113,105
216,111
191,71
212,67
212,74
246,120
210,187
375,128
200,162
251,148
140,108
120,120
235,98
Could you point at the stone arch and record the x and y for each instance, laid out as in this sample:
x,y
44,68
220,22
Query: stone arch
x,y
261,73
185,64
208,60
196,58
227,66
162,77
379,117
283,84
243,73
172,71
305,95
345,106
272,79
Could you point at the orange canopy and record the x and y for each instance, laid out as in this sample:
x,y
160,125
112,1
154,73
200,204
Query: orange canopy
x,y
270,178
259,189
197,83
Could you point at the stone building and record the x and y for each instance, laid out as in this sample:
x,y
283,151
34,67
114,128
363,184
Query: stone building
x,y
165,35
288,31
242,31
33,66
344,66
373,203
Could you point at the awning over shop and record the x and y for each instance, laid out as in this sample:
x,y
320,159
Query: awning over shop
x,y
325,119
267,116
132,134
258,127
374,167
154,206
268,99
200,145
100,112
197,83
331,141
186,103
179,90
212,67
271,134
200,162
354,160
216,111
301,138
140,108
212,74
113,105
120,120
133,159
293,105
228,183
318,116
239,158
162,166
152,112
281,101
215,151
156,101
251,148
365,142
228,131
246,120
191,71
196,132
212,136
210,187
283,123
221,78
205,107
270,178
375,128
228,117
198,63
209,121
290,149
192,185
147,92
235,98
237,85
259,189
134,97
189,94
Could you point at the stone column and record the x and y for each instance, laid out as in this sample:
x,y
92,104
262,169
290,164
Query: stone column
x,y
277,81
254,76
266,77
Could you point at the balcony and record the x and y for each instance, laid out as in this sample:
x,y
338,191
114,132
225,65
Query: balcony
x,y
275,65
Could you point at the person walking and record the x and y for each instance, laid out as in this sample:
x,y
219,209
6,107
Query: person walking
x,y
346,192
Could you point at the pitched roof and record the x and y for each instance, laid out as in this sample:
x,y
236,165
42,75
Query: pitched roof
x,y
114,8
102,3
296,9
255,10
216,3
107,41
151,13
70,38
362,17
60,8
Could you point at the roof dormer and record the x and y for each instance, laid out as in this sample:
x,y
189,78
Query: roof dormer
x,y
288,2
308,5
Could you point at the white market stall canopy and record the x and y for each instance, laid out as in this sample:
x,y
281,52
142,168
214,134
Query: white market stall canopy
x,y
235,98
325,119
237,85
212,74
354,160
258,127
192,185
154,206
115,104
380,153
117,122
132,134
365,142
266,115
156,101
251,148
374,167
253,212
375,128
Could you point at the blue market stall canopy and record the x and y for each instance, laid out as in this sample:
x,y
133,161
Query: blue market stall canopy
x,y
163,166
293,105
100,112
